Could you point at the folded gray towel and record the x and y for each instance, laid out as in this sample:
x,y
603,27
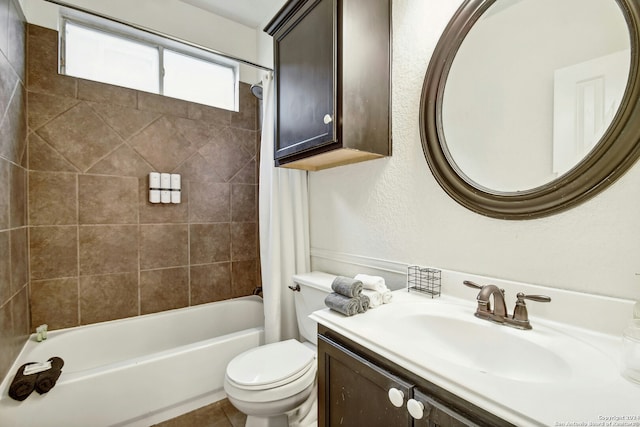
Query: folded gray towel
x,y
347,286
342,304
365,302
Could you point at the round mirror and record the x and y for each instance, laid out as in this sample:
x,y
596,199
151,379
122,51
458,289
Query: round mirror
x,y
527,104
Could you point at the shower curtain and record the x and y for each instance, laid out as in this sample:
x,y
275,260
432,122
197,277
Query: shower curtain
x,y
284,229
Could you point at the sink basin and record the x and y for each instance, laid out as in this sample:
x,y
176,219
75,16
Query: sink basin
x,y
452,334
490,349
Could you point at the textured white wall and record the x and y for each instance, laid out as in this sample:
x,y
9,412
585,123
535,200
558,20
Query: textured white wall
x,y
393,209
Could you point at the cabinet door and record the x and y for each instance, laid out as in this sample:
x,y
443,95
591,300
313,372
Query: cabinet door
x,y
305,57
439,415
353,392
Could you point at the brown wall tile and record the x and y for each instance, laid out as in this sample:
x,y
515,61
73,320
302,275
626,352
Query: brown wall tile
x,y
164,289
210,282
20,314
209,243
163,246
154,213
247,175
18,211
210,115
8,353
13,128
247,117
14,329
125,121
107,199
54,302
100,92
162,104
245,139
17,39
54,252
244,241
209,202
4,25
42,107
162,145
243,277
5,267
108,297
196,168
195,131
244,206
81,136
225,153
52,198
108,249
124,161
19,258
8,83
43,63
5,193
42,157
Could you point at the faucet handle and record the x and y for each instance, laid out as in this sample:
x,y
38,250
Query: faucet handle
x,y
471,284
539,298
520,316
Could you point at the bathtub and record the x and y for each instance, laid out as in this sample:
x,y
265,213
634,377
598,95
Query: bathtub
x,y
137,371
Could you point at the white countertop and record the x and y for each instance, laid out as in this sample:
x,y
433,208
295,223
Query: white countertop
x,y
593,394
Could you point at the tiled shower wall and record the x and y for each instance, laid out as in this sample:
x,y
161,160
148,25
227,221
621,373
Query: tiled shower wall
x,y
98,249
14,268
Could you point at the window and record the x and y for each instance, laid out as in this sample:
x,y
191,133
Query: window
x,y
208,83
108,52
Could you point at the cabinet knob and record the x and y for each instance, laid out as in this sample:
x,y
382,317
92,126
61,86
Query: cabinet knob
x,y
416,409
396,397
327,119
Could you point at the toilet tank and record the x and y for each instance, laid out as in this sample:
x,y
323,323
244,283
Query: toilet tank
x,y
314,287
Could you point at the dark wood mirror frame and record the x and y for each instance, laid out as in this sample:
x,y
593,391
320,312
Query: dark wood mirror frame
x,y
616,152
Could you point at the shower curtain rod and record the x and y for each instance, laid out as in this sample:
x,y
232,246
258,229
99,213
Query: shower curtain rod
x,y
157,33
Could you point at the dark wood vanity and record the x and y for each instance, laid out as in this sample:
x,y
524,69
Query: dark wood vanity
x,y
353,386
332,61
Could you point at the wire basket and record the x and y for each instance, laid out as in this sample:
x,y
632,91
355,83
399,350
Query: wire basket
x,y
424,279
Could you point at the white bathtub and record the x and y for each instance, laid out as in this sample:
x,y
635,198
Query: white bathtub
x,y
137,371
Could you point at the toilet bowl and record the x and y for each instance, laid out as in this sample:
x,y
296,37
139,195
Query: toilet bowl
x,y
275,385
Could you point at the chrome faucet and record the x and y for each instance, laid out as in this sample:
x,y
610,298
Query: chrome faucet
x,y
520,317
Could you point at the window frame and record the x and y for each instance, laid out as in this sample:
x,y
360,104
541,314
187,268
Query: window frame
x,y
148,38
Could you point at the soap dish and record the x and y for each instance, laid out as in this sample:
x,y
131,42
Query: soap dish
x,y
424,279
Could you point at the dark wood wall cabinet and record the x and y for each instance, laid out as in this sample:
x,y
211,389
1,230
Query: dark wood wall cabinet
x,y
356,388
332,61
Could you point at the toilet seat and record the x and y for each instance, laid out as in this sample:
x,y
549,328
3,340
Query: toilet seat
x,y
271,365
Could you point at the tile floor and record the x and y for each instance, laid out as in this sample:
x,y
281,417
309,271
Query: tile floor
x,y
218,414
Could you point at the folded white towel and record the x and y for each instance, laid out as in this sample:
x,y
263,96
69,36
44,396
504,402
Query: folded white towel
x,y
375,297
375,283
386,296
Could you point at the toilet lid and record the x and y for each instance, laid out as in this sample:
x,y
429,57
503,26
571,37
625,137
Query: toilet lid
x,y
271,365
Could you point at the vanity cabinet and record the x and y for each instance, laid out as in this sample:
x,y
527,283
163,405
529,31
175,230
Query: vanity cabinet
x,y
354,386
332,82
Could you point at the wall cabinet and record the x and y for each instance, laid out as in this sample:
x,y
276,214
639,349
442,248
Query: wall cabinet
x,y
356,387
332,61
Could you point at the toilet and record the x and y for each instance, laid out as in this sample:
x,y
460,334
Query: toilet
x,y
275,384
